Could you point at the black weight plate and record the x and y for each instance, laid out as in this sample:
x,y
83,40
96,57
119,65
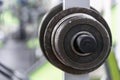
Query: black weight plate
x,y
50,56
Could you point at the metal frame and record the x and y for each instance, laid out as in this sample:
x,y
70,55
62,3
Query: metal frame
x,y
68,76
70,4
76,3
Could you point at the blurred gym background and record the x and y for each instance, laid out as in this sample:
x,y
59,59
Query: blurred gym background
x,y
19,45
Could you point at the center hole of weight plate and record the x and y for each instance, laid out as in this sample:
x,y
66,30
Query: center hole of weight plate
x,y
85,43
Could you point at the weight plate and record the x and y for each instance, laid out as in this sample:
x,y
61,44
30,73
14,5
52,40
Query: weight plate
x,y
47,26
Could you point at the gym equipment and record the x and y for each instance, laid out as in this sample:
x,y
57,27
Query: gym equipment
x,y
75,39
11,74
